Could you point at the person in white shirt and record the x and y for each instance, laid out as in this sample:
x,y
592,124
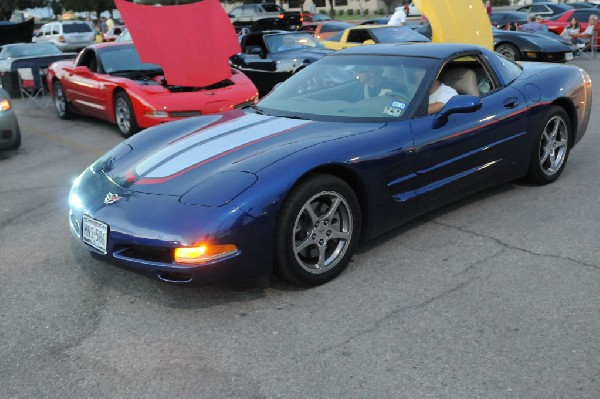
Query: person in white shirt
x,y
398,18
439,94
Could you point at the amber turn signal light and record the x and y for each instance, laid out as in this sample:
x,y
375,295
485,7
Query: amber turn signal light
x,y
203,253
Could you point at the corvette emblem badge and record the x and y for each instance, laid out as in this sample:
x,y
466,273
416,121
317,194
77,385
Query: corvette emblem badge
x,y
111,198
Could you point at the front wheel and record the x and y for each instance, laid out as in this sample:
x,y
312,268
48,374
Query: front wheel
x,y
551,147
317,230
124,115
61,104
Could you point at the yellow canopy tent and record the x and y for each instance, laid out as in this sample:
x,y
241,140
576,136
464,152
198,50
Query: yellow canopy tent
x,y
458,21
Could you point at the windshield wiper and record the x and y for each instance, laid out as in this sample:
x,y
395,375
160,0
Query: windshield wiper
x,y
255,109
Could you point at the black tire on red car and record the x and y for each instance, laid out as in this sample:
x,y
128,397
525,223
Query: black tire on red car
x,y
317,230
124,115
551,147
61,103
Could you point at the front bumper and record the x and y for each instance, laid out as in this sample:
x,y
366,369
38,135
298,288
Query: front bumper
x,y
144,230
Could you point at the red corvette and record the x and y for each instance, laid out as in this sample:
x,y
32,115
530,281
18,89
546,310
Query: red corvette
x,y
557,23
109,81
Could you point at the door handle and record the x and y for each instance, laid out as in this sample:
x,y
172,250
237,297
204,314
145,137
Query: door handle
x,y
511,102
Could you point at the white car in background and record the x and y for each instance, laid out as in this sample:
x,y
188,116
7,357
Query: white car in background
x,y
67,35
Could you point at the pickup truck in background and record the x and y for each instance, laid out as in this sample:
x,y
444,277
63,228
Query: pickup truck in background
x,y
264,16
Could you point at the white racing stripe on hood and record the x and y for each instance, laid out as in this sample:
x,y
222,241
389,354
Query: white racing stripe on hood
x,y
172,149
176,162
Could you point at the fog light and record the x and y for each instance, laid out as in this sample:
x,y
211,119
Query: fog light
x,y
4,105
203,253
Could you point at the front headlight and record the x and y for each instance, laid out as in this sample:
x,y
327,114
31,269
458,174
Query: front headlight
x,y
4,105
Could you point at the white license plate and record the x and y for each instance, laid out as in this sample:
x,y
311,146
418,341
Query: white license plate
x,y
95,233
568,56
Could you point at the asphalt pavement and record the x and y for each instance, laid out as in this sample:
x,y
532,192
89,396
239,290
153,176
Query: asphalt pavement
x,y
495,296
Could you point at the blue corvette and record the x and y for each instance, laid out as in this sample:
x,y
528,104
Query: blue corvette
x,y
292,184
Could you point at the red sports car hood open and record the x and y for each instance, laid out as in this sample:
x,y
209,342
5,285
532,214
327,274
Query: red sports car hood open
x,y
191,42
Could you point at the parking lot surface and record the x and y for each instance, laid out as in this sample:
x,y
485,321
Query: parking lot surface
x,y
495,296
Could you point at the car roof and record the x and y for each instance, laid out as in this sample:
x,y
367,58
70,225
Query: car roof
x,y
425,50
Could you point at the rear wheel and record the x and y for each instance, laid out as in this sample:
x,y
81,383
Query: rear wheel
x,y
61,104
317,231
509,51
124,115
551,147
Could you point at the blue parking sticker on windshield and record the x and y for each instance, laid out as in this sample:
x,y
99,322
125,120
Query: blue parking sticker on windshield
x,y
399,104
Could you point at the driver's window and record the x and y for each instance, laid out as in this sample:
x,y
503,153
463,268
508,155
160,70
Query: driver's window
x,y
468,76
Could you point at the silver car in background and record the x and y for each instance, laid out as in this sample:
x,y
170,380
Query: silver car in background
x,y
67,35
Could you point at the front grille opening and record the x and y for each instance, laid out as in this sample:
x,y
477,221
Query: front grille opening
x,y
6,134
185,114
150,254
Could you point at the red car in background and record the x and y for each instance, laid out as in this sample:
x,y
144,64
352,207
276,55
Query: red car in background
x,y
557,23
110,82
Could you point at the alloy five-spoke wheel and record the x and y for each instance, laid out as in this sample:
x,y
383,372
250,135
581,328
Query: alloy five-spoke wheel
x,y
60,101
317,231
551,148
554,145
124,115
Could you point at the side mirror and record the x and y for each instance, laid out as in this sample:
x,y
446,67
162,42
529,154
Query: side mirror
x,y
230,15
369,41
456,105
82,71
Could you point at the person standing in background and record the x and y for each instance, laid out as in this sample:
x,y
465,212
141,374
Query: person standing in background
x,y
488,7
398,18
110,24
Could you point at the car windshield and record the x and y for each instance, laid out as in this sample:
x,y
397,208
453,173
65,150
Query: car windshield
x,y
397,34
77,28
31,50
123,59
291,41
347,87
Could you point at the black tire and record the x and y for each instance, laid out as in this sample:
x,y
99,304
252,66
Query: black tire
x,y
509,51
551,147
61,103
124,115
329,238
17,143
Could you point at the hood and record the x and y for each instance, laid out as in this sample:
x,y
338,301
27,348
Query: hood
x,y
172,159
458,21
188,29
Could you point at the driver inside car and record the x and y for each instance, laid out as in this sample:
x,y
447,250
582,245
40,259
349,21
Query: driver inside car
x,y
373,82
